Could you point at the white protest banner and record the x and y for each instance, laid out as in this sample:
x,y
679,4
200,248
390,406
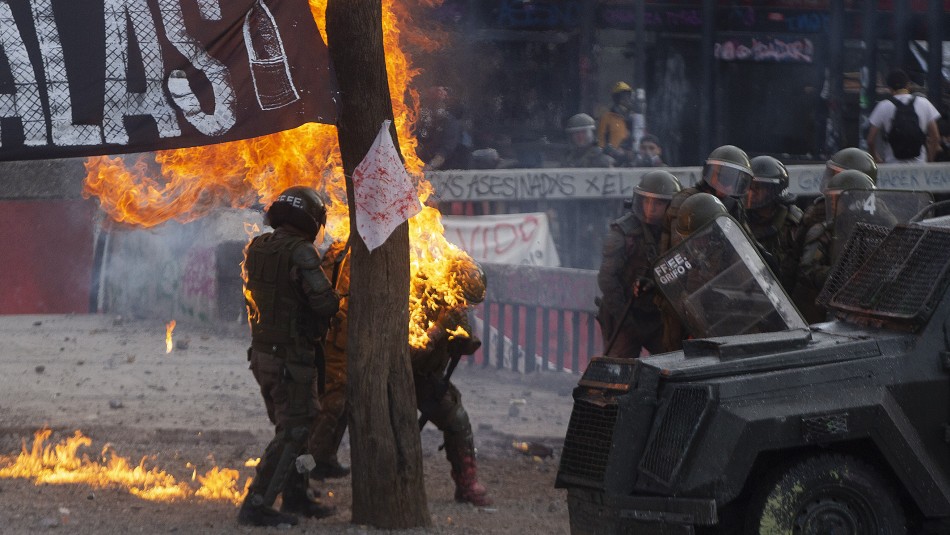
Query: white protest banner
x,y
504,239
385,196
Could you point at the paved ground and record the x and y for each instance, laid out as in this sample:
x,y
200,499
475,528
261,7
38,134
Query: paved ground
x,y
198,405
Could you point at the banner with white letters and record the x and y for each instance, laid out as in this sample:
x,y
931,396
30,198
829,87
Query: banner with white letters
x,y
90,77
523,239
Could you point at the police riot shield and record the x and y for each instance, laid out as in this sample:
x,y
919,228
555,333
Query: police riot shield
x,y
879,207
719,285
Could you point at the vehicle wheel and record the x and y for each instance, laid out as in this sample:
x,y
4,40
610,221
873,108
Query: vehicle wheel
x,y
826,495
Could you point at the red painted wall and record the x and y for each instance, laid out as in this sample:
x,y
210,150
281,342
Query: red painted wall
x,y
46,256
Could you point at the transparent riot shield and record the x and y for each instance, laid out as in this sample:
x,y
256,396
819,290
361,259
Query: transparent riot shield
x,y
880,207
719,285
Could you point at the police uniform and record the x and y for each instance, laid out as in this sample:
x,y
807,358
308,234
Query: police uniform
x,y
289,308
778,235
630,249
330,423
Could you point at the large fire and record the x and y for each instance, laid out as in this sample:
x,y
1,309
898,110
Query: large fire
x,y
187,184
61,463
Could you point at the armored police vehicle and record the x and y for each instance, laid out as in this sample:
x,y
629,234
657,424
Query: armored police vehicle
x,y
763,424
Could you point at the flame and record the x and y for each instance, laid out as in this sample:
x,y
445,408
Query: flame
x,y
61,464
169,328
187,184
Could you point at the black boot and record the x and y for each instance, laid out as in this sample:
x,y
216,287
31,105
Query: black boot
x,y
329,469
254,513
297,501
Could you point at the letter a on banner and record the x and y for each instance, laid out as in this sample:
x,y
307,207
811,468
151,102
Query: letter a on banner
x,y
384,194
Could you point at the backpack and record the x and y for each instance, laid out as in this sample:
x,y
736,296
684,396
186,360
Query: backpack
x,y
905,136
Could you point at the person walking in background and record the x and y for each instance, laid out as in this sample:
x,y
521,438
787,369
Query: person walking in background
x,y
908,124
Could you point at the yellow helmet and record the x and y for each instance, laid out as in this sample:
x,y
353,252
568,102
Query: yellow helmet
x,y
621,87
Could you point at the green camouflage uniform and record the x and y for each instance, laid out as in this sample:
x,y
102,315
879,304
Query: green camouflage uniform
x,y
630,249
778,235
290,306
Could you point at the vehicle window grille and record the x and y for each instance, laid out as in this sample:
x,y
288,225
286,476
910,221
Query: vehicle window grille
x,y
864,240
824,426
587,444
902,279
603,371
680,421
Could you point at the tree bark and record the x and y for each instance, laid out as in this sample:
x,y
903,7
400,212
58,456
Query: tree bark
x,y
386,453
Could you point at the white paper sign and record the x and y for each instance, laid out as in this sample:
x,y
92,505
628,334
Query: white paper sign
x,y
385,195
523,239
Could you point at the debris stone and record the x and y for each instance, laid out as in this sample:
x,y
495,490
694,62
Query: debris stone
x,y
115,404
37,323
40,369
182,343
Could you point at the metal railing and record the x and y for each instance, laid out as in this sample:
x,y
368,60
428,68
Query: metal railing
x,y
538,319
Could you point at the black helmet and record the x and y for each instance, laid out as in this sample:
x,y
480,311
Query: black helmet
x,y
696,211
473,282
849,158
728,171
300,207
845,180
769,182
656,186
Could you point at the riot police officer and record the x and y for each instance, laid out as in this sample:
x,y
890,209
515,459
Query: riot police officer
x,y
290,303
844,159
629,318
583,151
727,174
696,211
815,263
773,217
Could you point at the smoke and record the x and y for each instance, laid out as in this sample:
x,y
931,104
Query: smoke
x,y
176,270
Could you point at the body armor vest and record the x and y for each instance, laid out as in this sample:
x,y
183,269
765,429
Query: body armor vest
x,y
277,312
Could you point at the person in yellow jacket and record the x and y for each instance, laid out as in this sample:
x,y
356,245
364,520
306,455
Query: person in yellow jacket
x,y
614,126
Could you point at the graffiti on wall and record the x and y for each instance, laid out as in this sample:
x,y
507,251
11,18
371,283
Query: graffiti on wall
x,y
767,49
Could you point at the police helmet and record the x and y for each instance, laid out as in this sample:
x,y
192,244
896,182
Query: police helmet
x,y
473,282
579,122
655,186
621,87
849,179
728,171
696,211
300,207
769,182
849,158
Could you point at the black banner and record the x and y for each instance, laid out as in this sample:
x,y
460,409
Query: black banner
x,y
91,77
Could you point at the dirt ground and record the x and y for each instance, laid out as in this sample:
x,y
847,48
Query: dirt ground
x,y
198,407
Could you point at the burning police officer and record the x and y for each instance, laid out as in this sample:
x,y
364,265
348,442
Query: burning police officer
x,y
449,337
290,303
629,319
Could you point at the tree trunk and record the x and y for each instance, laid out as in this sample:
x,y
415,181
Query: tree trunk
x,y
388,485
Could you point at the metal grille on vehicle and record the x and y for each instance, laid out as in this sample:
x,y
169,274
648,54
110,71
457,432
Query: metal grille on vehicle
x,y
616,373
864,240
679,421
902,279
587,444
